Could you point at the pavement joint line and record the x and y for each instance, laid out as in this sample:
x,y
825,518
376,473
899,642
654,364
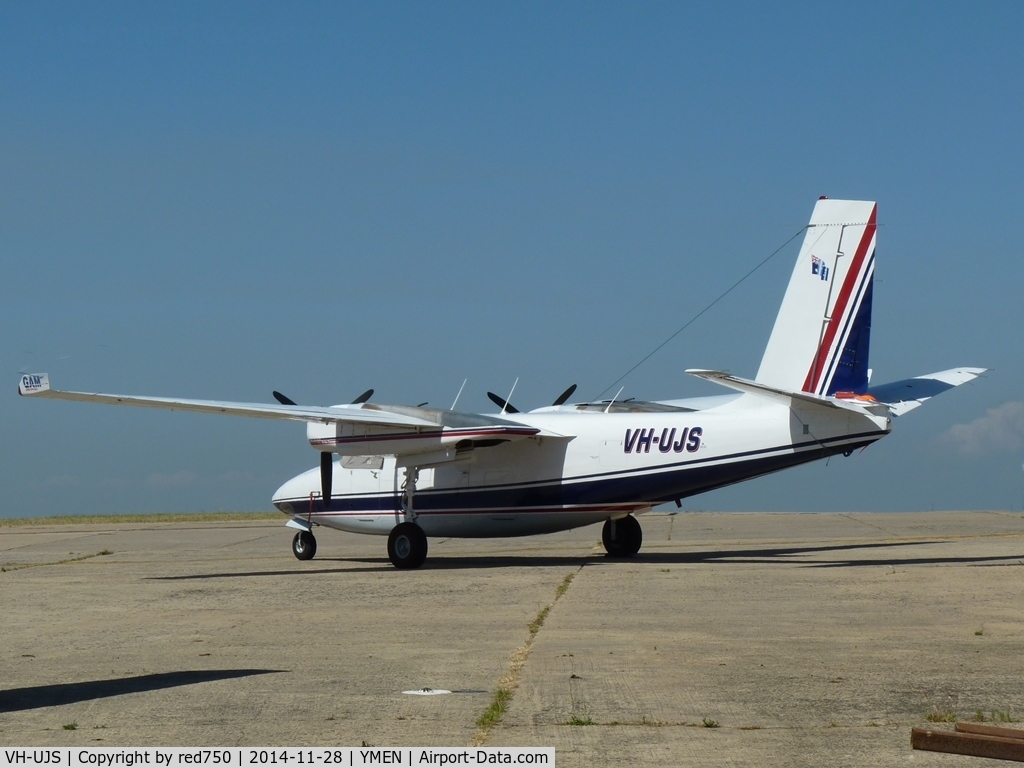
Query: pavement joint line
x,y
142,519
67,541
231,544
8,568
853,519
509,682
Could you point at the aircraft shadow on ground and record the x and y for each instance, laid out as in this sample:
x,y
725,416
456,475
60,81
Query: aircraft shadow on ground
x,y
18,699
767,556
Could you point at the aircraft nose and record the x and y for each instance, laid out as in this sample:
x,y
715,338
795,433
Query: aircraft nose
x,y
280,501
291,495
284,497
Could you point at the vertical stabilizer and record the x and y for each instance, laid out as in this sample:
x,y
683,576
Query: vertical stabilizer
x,y
822,333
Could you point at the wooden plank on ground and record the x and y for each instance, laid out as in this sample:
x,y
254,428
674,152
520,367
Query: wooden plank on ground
x,y
990,730
973,744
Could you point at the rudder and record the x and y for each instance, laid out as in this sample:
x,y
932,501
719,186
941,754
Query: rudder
x,y
821,338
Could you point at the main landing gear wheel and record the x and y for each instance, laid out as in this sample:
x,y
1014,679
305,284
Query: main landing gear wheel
x,y
407,546
622,537
304,545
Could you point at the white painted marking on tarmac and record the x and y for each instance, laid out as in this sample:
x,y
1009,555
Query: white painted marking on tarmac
x,y
427,692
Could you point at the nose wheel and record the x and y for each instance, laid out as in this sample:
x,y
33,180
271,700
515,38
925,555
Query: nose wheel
x,y
622,537
304,545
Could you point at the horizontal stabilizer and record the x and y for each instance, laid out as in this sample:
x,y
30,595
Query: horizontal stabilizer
x,y
908,394
785,396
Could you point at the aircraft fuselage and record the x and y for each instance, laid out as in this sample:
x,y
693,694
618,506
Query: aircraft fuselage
x,y
614,464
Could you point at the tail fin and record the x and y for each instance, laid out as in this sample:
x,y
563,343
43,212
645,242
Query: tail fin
x,y
823,330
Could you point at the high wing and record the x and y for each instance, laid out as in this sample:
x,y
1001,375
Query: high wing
x,y
366,415
38,385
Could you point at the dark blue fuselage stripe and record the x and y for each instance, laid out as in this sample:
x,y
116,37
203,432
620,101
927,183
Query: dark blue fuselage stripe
x,y
651,485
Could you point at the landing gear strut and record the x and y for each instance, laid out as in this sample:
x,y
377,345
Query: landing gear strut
x,y
407,544
622,537
304,545
412,474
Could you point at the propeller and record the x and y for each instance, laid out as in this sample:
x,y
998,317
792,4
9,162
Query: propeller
x,y
505,405
285,400
326,459
326,476
502,403
560,400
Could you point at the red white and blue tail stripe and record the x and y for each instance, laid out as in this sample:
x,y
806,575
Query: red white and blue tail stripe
x,y
821,338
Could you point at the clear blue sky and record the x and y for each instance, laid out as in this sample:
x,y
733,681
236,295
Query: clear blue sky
x,y
219,200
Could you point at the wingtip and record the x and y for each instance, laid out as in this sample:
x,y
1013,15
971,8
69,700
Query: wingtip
x,y
33,384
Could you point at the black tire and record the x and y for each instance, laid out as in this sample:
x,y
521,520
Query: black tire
x,y
622,537
304,545
407,546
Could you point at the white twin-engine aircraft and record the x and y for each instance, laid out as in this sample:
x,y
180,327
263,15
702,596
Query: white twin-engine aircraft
x,y
411,472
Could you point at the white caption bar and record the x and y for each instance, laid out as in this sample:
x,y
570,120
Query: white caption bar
x,y
288,757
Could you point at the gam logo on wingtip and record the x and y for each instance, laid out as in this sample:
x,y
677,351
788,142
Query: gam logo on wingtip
x,y
31,382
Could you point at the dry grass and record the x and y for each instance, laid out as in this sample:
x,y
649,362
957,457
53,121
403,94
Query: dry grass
x,y
937,715
510,680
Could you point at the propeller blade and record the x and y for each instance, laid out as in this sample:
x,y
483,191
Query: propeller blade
x,y
326,476
363,397
502,403
565,396
282,399
285,400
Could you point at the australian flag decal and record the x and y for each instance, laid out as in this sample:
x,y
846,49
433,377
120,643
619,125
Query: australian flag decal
x,y
818,268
